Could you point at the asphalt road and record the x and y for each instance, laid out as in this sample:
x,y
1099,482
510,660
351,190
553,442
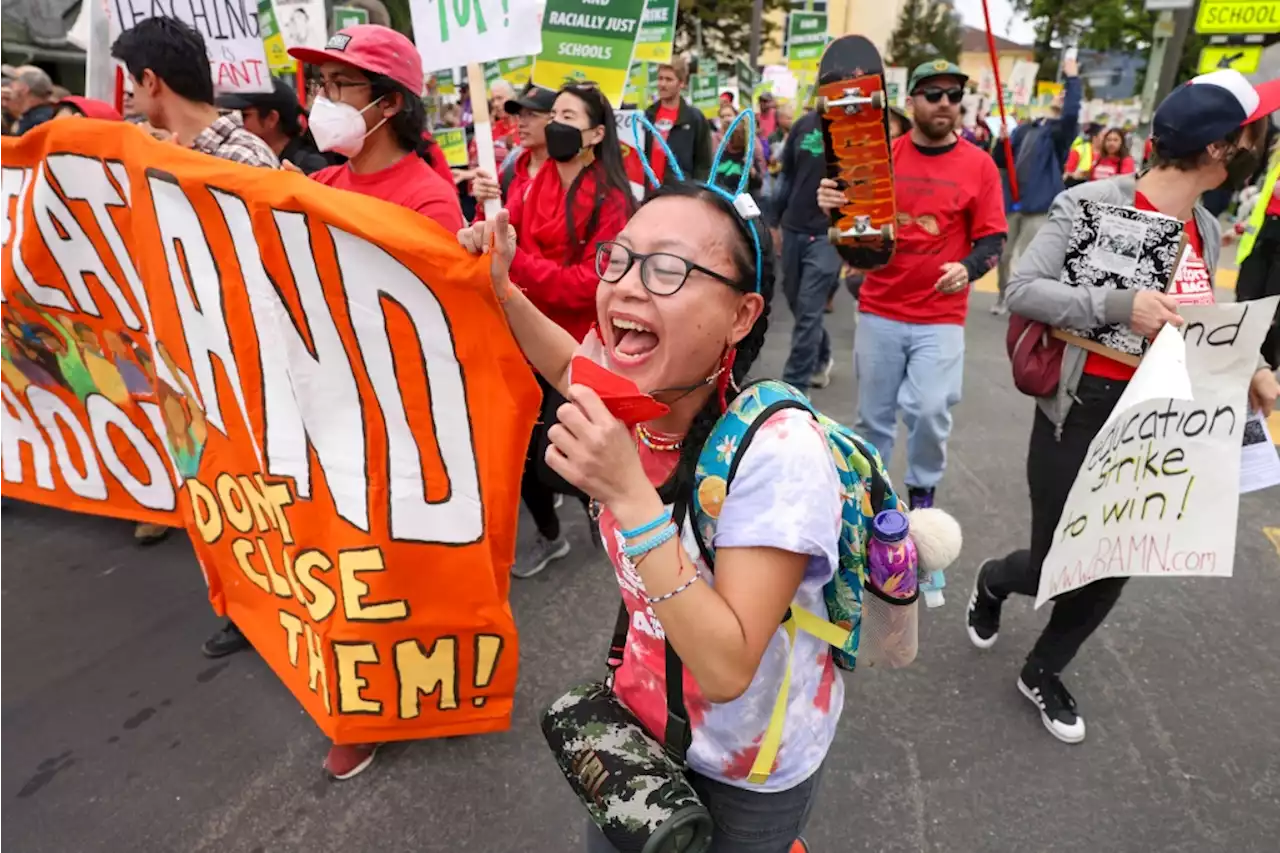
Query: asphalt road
x,y
119,737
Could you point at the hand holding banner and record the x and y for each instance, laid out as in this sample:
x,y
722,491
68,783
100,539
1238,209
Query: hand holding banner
x,y
319,385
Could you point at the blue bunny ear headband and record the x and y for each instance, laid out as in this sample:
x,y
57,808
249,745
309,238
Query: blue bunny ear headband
x,y
740,199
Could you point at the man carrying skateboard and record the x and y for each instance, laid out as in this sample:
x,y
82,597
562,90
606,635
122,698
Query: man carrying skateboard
x,y
909,350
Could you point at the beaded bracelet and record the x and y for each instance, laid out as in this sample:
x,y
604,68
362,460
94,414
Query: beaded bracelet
x,y
648,528
660,598
664,535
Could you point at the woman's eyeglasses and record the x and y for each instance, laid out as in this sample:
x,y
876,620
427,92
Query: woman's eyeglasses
x,y
661,273
954,95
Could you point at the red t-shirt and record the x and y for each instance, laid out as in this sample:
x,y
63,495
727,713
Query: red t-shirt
x,y
946,202
1273,207
1191,286
1109,167
663,120
409,182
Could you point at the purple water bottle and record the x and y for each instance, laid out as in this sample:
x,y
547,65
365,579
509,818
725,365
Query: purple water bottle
x,y
891,556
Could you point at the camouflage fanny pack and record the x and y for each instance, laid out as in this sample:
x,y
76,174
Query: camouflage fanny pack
x,y
633,787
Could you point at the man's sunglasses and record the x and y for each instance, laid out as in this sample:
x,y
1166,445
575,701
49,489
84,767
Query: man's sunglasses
x,y
955,95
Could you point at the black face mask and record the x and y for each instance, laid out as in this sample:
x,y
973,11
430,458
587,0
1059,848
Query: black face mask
x,y
1243,163
564,141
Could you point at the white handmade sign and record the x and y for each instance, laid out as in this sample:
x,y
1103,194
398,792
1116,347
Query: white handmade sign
x,y
1022,81
1157,493
452,33
237,58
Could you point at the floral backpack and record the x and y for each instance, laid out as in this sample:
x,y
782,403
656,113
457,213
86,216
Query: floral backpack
x,y
866,491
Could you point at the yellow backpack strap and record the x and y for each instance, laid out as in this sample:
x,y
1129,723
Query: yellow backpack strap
x,y
822,629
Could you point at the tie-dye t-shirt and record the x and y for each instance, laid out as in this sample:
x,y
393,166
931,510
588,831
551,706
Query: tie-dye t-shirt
x,y
785,495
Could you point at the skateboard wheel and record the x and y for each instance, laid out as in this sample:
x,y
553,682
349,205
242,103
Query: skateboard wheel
x,y
886,231
877,99
833,234
821,104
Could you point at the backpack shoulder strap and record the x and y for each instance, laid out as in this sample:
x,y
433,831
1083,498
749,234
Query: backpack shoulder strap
x,y
718,461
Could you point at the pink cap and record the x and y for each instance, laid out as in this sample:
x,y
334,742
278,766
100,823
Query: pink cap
x,y
369,47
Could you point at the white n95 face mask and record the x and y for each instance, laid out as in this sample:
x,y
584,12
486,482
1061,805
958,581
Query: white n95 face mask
x,y
339,127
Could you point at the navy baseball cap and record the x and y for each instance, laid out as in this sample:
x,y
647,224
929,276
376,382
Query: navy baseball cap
x,y
1208,108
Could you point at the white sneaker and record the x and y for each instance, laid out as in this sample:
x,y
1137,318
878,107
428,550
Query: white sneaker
x,y
535,559
822,378
999,309
1057,706
557,501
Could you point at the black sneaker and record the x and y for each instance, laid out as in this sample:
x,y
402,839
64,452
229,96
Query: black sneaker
x,y
984,611
1057,706
919,498
227,641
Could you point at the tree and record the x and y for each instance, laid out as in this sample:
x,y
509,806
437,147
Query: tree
x,y
726,27
927,29
1120,26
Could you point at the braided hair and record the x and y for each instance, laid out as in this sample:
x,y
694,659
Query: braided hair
x,y
679,485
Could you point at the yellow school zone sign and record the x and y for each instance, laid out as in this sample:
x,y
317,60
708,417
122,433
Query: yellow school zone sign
x,y
1243,58
1227,17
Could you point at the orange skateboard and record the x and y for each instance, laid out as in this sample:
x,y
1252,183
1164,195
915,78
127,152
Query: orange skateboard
x,y
855,133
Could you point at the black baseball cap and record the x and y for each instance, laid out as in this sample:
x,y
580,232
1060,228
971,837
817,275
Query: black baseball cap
x,y
282,98
537,98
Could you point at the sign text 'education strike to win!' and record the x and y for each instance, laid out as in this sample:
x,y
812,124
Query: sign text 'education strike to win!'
x,y
1158,492
335,411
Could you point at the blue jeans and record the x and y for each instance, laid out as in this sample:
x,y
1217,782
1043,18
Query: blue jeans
x,y
810,274
743,821
918,368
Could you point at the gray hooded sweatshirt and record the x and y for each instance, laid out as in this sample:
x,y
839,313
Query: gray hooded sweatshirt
x,y
1036,290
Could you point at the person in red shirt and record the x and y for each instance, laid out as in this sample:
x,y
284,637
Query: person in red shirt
x,y
532,111
686,131
1112,158
370,110
909,351
1207,133
579,199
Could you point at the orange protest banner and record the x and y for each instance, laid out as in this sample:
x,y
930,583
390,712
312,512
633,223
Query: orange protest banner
x,y
319,386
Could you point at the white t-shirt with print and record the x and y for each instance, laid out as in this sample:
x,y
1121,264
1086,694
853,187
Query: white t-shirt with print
x,y
786,495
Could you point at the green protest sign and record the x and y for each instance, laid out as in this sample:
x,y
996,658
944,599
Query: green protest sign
x,y
349,16
588,40
657,32
515,71
746,81
453,144
806,39
637,84
706,94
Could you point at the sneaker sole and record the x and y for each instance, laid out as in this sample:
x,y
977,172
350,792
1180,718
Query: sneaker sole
x,y
557,554
354,771
973,635
1044,718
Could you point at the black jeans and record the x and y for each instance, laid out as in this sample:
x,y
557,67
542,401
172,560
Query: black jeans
x,y
1260,277
744,821
1051,469
539,485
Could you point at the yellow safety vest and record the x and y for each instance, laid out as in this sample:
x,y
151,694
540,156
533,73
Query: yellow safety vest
x,y
1260,208
1085,147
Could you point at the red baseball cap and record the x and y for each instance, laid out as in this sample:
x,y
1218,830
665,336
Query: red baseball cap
x,y
369,47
